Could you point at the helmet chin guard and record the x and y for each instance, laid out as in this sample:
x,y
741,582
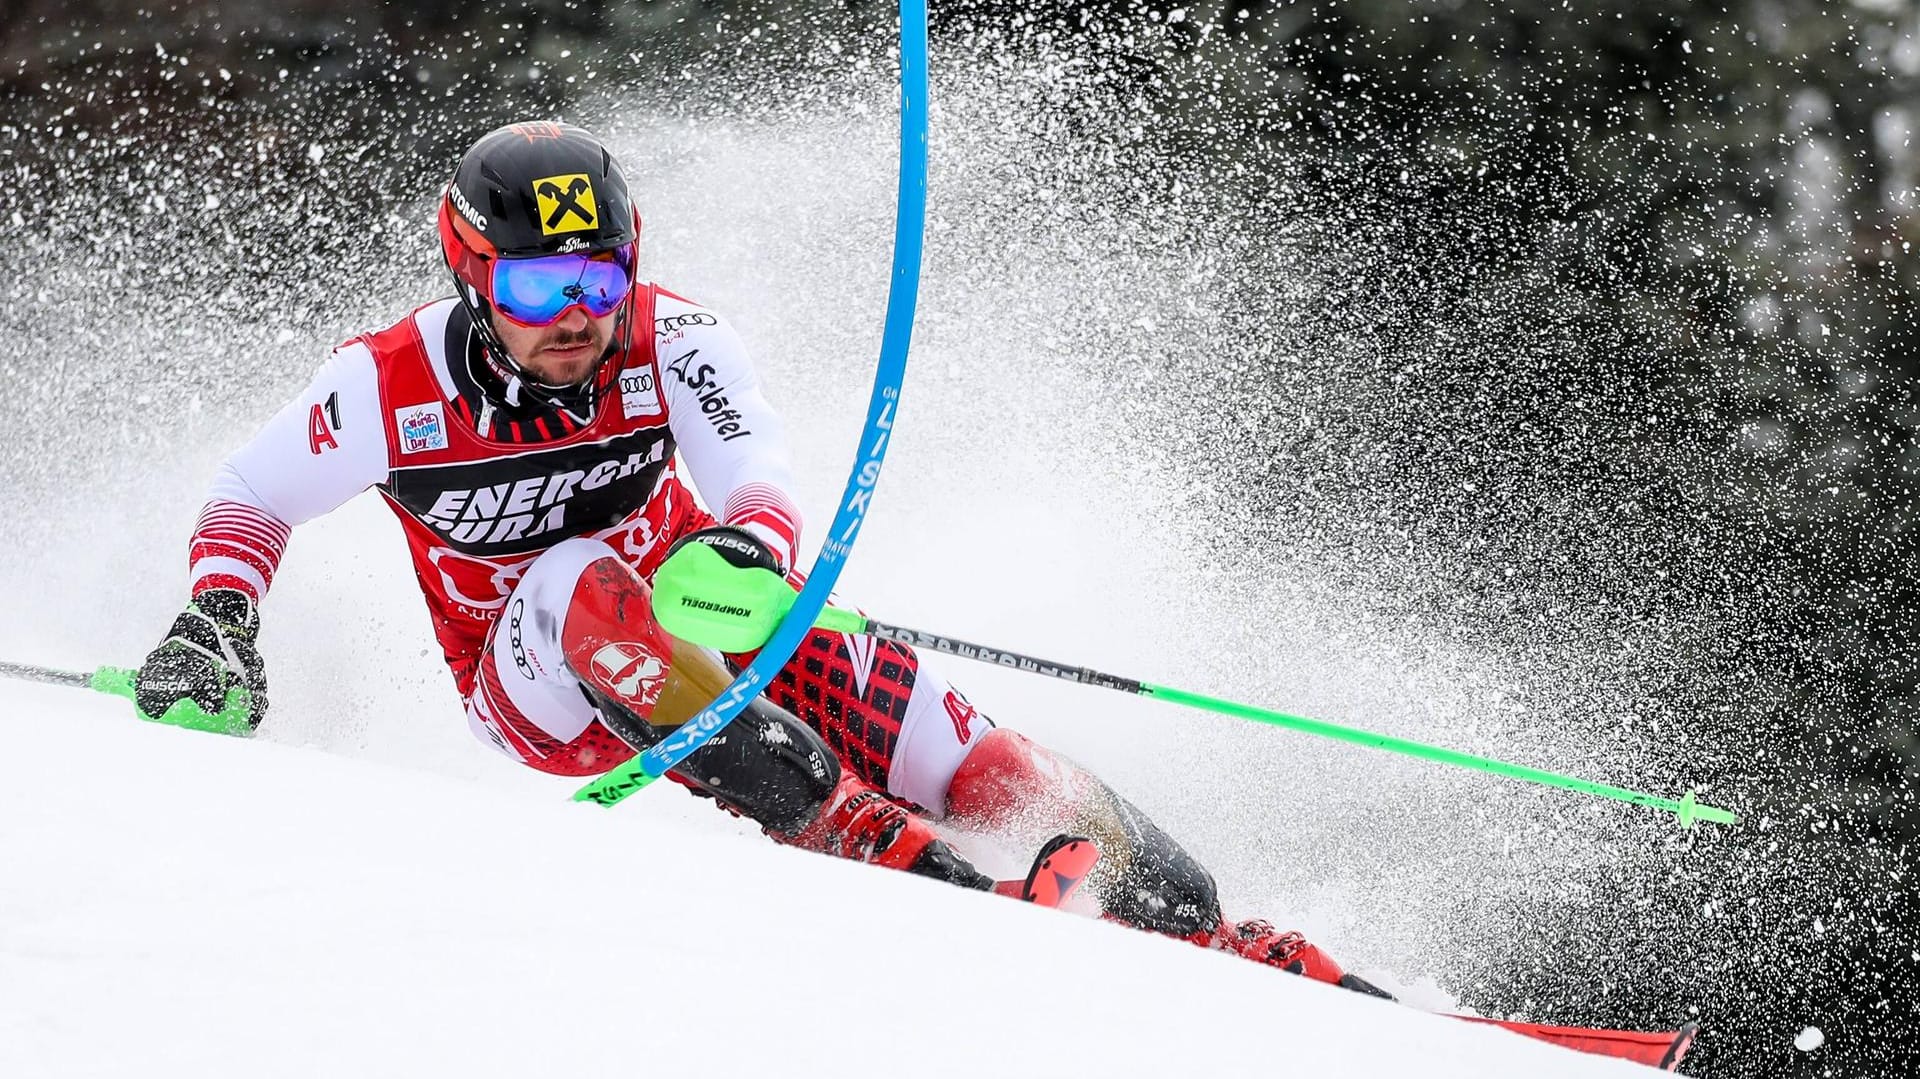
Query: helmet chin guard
x,y
518,386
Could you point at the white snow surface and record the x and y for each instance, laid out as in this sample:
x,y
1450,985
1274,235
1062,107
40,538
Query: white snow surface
x,y
182,904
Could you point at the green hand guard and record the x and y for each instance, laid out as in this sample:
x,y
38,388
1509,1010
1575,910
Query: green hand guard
x,y
230,719
701,598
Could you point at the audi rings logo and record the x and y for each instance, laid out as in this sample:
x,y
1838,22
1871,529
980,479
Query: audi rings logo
x,y
513,639
675,323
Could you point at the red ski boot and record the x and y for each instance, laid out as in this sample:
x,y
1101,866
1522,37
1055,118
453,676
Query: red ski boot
x,y
1259,941
858,822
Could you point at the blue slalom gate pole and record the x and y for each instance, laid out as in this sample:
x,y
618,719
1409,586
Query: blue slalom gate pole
x,y
903,293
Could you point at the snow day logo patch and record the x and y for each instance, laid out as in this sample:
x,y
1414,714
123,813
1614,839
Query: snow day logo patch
x,y
421,427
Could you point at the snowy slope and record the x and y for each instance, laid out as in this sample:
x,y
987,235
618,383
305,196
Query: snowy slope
x,y
178,904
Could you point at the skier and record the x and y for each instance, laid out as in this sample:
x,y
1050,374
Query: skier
x,y
525,433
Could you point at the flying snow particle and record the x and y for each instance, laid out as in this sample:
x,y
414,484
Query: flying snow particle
x,y
316,153
1809,1039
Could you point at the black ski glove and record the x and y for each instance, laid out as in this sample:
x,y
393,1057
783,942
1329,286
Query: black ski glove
x,y
737,545
208,652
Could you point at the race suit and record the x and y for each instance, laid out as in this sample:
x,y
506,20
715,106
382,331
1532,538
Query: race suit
x,y
482,488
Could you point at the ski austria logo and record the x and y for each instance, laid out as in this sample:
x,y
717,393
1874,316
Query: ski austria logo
x,y
421,427
566,203
630,673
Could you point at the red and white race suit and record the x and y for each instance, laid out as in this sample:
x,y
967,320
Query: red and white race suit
x,y
483,491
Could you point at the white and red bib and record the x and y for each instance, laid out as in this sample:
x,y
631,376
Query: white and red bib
x,y
401,411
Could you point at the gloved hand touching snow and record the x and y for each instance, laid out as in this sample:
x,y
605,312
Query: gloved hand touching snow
x,y
208,653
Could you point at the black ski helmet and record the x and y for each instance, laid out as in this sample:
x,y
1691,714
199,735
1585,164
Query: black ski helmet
x,y
525,191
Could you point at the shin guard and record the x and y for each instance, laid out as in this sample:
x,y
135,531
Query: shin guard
x,y
768,767
1009,783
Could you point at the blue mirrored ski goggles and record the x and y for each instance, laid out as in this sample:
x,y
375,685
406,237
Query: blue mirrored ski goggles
x,y
536,292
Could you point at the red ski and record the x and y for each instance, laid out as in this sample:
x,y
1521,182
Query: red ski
x,y
1656,1049
1058,871
1064,863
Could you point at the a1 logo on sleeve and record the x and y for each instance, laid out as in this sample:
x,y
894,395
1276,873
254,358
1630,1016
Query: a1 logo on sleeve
x,y
420,427
322,422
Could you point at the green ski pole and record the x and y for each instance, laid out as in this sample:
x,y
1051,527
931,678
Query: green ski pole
x,y
118,682
698,596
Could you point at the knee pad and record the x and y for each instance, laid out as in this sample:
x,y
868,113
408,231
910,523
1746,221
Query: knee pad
x,y
1145,878
612,644
1008,780
1159,886
767,766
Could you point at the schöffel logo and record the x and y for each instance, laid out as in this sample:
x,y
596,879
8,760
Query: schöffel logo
x,y
704,380
421,427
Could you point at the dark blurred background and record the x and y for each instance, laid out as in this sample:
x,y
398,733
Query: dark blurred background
x,y
1716,202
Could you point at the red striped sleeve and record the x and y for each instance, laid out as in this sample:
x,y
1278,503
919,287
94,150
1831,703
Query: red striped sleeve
x,y
769,507
236,546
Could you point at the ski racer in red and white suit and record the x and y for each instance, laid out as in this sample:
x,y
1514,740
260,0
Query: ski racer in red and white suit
x,y
534,517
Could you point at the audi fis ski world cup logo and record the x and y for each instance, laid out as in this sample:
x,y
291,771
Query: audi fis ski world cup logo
x,y
639,394
631,673
421,427
566,204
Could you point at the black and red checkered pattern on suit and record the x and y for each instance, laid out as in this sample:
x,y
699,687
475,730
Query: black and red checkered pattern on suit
x,y
821,686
